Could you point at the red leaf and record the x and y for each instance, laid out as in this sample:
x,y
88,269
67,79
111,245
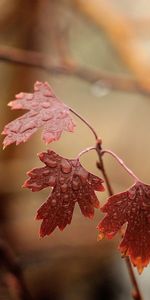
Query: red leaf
x,y
45,109
71,183
132,208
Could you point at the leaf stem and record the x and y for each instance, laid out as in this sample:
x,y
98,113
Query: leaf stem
x,y
136,294
85,151
121,162
85,122
100,166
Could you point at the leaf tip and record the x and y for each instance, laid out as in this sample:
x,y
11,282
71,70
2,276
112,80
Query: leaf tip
x,y
24,185
139,264
100,237
5,144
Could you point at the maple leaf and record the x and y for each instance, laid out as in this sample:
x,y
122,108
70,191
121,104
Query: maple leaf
x,y
70,183
132,208
45,109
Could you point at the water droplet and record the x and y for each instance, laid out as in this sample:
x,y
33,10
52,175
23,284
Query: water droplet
x,y
53,202
16,127
83,174
64,187
34,104
66,204
48,94
63,114
35,186
66,197
145,204
46,116
52,181
49,162
45,104
29,125
61,180
45,172
99,89
115,216
75,184
65,166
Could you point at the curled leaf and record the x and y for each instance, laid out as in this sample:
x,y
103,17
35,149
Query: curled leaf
x,y
70,183
132,208
45,110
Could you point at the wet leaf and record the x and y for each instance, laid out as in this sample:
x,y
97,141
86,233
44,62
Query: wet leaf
x,y
45,110
132,208
70,183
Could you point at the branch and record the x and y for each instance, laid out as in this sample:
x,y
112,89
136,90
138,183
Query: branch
x,y
122,35
43,61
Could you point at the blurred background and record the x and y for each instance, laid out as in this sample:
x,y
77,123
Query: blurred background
x,y
96,56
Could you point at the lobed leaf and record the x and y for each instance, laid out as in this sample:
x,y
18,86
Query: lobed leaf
x,y
45,110
132,208
70,183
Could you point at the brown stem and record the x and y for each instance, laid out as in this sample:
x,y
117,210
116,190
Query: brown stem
x,y
85,151
43,61
136,294
85,122
9,260
121,162
101,167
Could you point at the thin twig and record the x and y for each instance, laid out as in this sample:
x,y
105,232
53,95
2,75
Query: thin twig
x,y
121,34
43,61
85,151
85,122
136,294
121,162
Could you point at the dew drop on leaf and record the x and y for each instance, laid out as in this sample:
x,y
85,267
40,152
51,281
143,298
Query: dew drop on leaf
x,y
53,202
65,166
45,104
75,184
46,172
50,163
52,181
63,187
